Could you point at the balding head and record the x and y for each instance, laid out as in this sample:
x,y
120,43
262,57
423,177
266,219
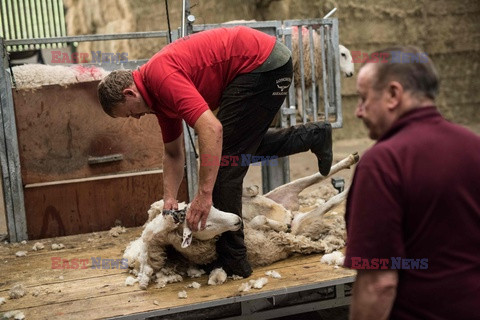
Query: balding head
x,y
409,66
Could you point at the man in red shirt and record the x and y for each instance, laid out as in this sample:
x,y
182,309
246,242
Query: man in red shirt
x,y
243,73
413,211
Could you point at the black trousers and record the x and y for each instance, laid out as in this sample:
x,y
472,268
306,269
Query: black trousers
x,y
247,108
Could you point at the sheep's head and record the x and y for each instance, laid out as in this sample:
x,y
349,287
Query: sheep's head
x,y
346,61
218,222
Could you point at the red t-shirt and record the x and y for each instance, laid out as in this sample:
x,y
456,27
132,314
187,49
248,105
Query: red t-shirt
x,y
416,195
187,77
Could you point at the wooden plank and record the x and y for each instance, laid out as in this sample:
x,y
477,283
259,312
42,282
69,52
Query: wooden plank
x,y
92,205
101,293
60,127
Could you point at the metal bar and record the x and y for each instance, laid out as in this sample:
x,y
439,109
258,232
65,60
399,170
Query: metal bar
x,y
22,23
35,22
314,68
46,28
7,190
324,72
28,18
190,159
10,23
89,37
292,310
235,299
41,31
330,13
63,31
337,83
105,159
16,20
57,20
10,158
184,11
302,73
291,111
1,20
191,163
269,27
312,22
51,20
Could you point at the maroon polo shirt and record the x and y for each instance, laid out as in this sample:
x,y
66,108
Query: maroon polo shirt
x,y
416,195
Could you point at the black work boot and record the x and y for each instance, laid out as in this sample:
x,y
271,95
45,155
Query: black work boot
x,y
323,149
314,136
240,268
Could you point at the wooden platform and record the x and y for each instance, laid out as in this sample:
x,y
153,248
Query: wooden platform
x,y
93,293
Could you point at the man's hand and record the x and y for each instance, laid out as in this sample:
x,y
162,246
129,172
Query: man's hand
x,y
198,212
170,204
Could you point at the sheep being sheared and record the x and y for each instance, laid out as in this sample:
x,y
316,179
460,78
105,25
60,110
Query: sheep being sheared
x,y
162,230
265,226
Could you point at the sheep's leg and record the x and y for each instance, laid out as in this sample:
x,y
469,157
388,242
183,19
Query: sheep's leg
x,y
317,213
261,222
287,194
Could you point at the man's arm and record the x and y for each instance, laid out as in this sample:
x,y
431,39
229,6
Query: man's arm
x,y
210,137
173,171
374,292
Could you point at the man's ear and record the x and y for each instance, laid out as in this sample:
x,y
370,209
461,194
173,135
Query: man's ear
x,y
129,92
394,94
187,236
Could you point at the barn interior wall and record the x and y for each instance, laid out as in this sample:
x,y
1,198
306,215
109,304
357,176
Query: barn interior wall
x,y
448,31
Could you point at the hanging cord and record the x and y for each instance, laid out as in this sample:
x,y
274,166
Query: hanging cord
x,y
170,41
168,23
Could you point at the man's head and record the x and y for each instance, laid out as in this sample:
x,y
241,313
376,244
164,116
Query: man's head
x,y
120,97
404,79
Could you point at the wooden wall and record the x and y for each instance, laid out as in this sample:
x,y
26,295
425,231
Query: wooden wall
x,y
60,130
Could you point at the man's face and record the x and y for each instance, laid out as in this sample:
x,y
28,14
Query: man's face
x,y
372,104
130,108
134,105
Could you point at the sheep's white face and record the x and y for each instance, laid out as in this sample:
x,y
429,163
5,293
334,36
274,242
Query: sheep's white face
x,y
218,222
346,61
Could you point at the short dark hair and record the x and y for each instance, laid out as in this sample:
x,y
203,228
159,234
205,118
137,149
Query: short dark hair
x,y
110,89
408,65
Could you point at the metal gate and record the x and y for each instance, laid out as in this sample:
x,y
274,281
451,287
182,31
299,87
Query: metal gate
x,y
329,108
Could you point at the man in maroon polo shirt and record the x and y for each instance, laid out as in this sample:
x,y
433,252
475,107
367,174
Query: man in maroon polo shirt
x,y
243,73
413,211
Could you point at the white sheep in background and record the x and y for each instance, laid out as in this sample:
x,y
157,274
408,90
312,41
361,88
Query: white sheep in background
x,y
266,223
345,61
345,58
